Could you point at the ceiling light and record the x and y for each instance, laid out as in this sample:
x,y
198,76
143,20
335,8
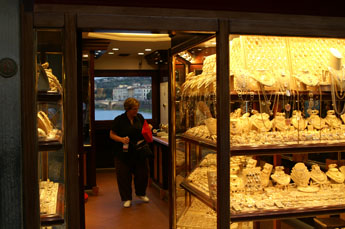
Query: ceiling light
x,y
187,56
214,43
130,36
140,53
85,55
116,49
148,50
110,53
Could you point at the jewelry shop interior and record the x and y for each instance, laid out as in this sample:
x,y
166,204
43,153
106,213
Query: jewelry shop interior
x,y
249,109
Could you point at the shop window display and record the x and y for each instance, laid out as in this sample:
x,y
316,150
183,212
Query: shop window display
x,y
286,99
50,127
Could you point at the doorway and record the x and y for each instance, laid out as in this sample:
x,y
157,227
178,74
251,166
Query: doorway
x,y
117,65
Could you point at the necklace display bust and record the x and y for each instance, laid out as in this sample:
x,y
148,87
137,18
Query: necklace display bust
x,y
261,121
332,120
342,169
334,174
280,177
317,175
300,174
298,121
265,174
315,120
279,122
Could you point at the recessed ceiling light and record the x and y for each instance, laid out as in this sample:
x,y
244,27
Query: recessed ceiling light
x,y
214,43
85,55
116,49
110,53
148,50
140,53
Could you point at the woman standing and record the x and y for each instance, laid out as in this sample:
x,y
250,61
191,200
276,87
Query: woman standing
x,y
126,132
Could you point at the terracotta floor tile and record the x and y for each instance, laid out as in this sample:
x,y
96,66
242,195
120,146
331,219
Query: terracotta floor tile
x,y
105,210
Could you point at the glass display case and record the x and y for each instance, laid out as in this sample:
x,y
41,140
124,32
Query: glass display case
x,y
195,73
50,126
287,122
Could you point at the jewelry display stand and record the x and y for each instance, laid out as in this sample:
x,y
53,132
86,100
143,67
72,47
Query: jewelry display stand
x,y
286,98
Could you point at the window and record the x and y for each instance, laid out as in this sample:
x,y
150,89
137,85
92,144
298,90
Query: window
x,y
111,92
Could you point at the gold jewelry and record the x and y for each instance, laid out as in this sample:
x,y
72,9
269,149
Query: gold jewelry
x,y
280,177
279,122
334,93
267,103
300,175
265,174
298,121
334,174
261,121
317,175
315,120
332,120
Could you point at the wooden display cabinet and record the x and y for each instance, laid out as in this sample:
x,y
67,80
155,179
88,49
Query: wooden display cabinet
x,y
197,90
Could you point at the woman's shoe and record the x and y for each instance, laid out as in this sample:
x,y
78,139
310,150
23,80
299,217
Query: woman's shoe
x,y
127,203
144,198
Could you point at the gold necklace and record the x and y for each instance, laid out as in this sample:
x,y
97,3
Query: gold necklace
x,y
317,175
267,102
333,93
335,75
300,174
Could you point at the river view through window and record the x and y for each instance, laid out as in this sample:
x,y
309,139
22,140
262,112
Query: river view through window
x,y
111,92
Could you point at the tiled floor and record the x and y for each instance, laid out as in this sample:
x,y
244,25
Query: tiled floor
x,y
105,210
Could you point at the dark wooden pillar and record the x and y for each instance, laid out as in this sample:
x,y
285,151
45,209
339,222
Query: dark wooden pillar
x,y
31,211
71,121
223,133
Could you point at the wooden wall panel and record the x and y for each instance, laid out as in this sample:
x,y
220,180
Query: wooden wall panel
x,y
135,18
323,8
282,25
71,122
49,20
93,21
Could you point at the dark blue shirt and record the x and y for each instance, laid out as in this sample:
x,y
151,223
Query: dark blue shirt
x,y
122,127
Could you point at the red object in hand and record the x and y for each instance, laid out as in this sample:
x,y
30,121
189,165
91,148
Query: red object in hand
x,y
86,197
146,132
